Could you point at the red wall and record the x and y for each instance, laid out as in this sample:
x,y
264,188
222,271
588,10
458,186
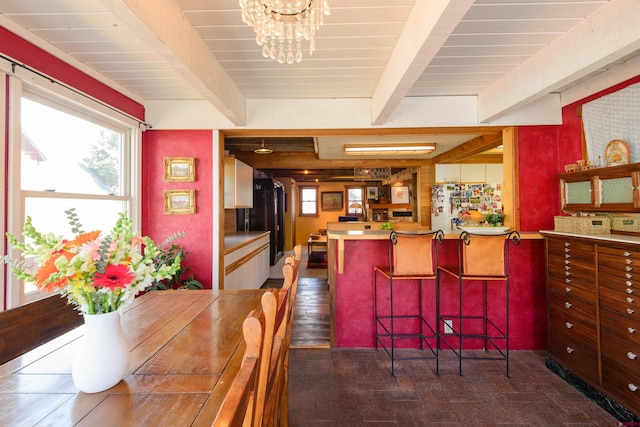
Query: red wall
x,y
198,241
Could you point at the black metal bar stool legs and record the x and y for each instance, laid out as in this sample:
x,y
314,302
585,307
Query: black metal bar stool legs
x,y
482,259
411,257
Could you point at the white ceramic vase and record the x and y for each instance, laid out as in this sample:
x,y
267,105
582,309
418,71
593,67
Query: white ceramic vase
x,y
103,357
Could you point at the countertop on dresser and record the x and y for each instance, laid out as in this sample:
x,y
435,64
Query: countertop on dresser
x,y
618,238
233,242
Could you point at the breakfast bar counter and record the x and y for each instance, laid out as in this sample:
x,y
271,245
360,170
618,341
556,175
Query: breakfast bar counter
x,y
353,253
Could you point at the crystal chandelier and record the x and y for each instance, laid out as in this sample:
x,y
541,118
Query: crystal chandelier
x,y
280,25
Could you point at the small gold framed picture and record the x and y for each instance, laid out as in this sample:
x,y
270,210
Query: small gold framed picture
x,y
179,169
178,202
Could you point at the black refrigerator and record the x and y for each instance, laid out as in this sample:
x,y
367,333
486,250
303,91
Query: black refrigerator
x,y
267,214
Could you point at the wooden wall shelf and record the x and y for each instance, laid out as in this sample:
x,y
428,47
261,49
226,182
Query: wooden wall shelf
x,y
391,206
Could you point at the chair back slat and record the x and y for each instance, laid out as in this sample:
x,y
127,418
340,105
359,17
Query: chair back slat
x,y
238,407
413,254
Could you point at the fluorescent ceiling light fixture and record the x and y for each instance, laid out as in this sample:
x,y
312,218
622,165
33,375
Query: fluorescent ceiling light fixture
x,y
388,149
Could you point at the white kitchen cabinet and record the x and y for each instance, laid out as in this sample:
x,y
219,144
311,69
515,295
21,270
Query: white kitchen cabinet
x,y
447,172
472,173
247,265
238,184
469,173
494,173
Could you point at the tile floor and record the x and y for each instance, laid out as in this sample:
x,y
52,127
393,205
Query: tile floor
x,y
347,387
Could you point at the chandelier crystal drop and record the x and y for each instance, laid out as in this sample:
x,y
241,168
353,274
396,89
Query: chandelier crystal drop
x,y
281,25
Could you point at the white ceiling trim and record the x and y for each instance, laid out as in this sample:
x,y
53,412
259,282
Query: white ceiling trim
x,y
164,29
611,33
430,24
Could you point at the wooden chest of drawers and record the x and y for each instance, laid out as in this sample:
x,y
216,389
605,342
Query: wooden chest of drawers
x,y
593,289
572,306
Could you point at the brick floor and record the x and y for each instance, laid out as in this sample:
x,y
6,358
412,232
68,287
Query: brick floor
x,y
353,387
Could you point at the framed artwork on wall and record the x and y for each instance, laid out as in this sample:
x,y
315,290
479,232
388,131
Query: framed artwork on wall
x,y
179,169
331,200
399,194
178,202
372,193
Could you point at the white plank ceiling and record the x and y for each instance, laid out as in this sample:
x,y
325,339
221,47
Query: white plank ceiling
x,y
508,53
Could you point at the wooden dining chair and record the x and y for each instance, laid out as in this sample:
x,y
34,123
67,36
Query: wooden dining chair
x,y
290,271
239,405
274,305
278,305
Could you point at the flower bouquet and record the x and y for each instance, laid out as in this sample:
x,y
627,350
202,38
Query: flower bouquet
x,y
98,274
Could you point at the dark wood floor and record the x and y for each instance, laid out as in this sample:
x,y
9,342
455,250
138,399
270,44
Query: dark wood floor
x,y
311,317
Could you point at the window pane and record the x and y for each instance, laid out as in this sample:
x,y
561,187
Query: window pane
x,y
48,215
308,200
355,200
65,153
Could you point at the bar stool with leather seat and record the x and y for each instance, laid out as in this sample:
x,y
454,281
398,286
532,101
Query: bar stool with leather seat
x,y
482,258
412,257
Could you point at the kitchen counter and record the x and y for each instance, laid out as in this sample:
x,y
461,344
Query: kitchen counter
x,y
233,242
246,259
353,254
618,238
377,234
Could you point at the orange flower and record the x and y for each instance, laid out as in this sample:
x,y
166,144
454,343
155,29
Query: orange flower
x,y
82,239
47,270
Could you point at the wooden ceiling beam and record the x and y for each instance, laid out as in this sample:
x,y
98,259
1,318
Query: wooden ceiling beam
x,y
468,149
274,133
294,160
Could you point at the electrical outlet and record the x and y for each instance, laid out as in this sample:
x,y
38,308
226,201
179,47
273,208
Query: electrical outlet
x,y
448,326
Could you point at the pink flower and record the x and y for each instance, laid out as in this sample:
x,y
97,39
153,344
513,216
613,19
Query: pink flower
x,y
137,241
114,276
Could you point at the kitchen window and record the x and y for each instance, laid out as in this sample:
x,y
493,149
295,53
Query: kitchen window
x,y
308,201
355,201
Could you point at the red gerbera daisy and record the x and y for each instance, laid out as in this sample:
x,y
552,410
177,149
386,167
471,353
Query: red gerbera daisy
x,y
114,276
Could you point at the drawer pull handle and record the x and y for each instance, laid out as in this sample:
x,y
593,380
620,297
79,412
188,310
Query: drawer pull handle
x,y
628,261
567,267
632,387
629,300
566,244
627,268
630,310
567,280
631,330
566,261
628,276
629,283
567,289
632,356
569,350
569,325
566,273
625,253
629,290
569,305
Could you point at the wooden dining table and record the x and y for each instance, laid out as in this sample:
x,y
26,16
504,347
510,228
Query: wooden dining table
x,y
186,349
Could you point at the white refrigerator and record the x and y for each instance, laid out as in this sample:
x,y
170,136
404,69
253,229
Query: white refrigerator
x,y
449,200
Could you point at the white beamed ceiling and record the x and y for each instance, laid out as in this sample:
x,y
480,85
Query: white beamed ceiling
x,y
379,59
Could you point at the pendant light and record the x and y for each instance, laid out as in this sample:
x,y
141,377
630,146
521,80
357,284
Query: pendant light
x,y
263,149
